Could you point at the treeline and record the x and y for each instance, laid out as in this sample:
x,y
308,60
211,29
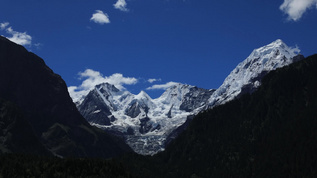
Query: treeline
x,y
22,165
271,133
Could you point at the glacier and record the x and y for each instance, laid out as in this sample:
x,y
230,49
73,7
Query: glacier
x,y
144,123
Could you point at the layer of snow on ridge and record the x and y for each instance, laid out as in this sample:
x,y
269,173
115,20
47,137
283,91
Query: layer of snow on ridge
x,y
158,109
261,60
164,112
144,122
172,98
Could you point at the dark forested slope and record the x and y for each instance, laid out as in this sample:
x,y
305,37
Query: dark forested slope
x,y
21,165
271,133
16,134
46,109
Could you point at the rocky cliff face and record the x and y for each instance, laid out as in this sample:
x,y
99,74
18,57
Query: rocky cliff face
x,y
144,123
46,105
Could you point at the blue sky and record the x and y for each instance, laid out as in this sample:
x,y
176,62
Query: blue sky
x,y
128,42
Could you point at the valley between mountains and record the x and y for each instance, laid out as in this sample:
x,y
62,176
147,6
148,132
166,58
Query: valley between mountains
x,y
147,125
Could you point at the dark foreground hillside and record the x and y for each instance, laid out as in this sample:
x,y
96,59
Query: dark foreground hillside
x,y
271,133
18,165
37,115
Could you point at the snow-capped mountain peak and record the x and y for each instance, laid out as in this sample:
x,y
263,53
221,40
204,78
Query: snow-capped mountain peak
x,y
113,97
247,75
174,94
144,122
274,49
108,87
143,95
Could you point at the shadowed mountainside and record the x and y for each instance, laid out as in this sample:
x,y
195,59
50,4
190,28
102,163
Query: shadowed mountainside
x,y
45,109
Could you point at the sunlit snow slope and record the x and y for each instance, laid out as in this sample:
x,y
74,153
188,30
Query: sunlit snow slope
x,y
246,77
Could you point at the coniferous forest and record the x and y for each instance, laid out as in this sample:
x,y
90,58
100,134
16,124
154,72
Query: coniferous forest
x,y
21,165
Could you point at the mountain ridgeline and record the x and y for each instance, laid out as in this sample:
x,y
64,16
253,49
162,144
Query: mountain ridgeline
x,y
142,121
270,133
37,114
262,122
148,125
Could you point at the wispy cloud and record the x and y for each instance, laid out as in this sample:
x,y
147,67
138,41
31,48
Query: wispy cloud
x,y
4,25
162,86
100,17
16,37
38,45
93,78
151,80
121,5
296,8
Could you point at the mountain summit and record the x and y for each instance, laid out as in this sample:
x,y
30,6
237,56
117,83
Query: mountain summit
x,y
246,77
147,124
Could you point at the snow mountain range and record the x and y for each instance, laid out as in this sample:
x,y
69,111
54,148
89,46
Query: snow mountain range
x,y
147,124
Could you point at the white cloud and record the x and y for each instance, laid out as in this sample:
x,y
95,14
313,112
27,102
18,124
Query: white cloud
x,y
4,25
93,78
17,37
296,8
38,45
121,5
162,86
151,80
100,17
